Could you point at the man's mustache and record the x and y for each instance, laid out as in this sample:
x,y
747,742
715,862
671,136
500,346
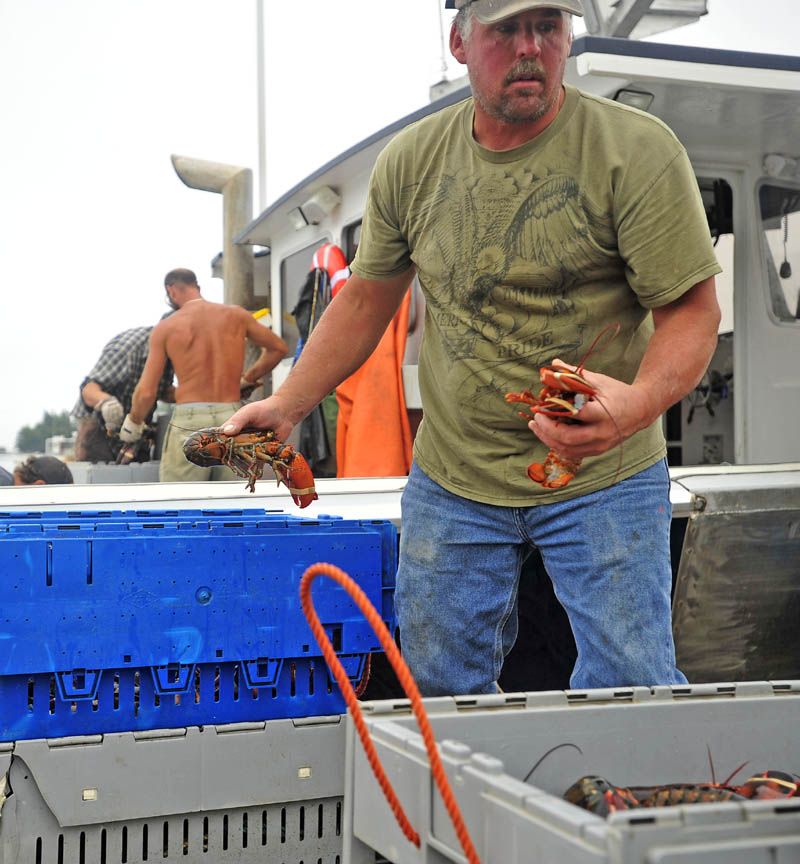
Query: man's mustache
x,y
526,69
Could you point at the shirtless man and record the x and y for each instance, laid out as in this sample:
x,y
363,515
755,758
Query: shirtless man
x,y
206,343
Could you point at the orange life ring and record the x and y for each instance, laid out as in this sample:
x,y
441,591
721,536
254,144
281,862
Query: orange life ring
x,y
330,258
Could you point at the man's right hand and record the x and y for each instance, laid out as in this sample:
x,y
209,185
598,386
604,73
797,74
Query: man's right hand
x,y
265,414
112,413
131,431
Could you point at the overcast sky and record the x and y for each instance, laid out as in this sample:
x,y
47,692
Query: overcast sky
x,y
95,95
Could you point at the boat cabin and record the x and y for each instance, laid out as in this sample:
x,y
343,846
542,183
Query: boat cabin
x,y
738,114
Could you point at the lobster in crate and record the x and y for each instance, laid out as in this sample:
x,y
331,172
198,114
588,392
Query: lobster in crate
x,y
601,797
563,395
247,453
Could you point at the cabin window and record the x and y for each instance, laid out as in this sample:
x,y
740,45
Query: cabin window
x,y
352,237
780,222
293,274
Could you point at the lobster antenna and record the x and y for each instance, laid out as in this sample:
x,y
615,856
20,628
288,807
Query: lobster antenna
x,y
599,336
592,347
619,461
551,750
731,776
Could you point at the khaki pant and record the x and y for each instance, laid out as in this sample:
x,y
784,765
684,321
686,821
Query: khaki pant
x,y
188,418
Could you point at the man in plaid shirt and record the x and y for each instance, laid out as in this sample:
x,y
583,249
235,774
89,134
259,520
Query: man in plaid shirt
x,y
106,394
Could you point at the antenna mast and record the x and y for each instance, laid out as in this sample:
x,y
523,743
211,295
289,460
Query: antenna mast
x,y
261,108
441,38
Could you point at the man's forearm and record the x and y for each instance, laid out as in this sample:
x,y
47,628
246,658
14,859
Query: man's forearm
x,y
680,350
141,404
93,394
268,360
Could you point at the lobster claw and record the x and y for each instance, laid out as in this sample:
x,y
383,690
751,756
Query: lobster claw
x,y
298,479
555,472
565,381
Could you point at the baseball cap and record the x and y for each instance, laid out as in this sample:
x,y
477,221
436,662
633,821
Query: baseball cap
x,y
490,11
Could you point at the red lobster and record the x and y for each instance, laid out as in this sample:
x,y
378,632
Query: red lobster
x,y
601,797
247,453
563,395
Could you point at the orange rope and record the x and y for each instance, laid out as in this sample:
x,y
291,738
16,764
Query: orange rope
x,y
409,685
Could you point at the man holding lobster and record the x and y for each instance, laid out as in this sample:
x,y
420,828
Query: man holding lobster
x,y
537,217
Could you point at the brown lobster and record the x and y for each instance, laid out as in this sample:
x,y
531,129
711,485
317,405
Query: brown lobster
x,y
247,453
563,395
601,797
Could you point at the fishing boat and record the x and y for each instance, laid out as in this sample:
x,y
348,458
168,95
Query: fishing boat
x,y
732,449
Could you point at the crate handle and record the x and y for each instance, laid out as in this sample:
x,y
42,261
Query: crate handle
x,y
262,672
353,665
175,678
78,684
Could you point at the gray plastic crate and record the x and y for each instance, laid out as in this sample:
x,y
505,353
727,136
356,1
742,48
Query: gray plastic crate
x,y
635,736
102,472
257,792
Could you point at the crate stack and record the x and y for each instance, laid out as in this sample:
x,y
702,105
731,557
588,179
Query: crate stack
x,y
510,758
169,626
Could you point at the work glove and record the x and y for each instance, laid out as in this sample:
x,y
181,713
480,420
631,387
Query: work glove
x,y
131,432
246,387
111,411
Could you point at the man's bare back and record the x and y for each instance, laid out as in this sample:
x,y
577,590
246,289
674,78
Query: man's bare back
x,y
205,342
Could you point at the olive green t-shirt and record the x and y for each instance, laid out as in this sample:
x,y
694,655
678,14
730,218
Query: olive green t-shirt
x,y
525,255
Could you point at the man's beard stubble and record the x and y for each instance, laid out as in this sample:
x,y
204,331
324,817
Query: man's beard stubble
x,y
504,107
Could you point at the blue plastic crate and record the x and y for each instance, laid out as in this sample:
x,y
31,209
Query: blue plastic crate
x,y
11,520
113,622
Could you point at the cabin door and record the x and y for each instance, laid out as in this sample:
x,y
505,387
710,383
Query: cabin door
x,y
767,328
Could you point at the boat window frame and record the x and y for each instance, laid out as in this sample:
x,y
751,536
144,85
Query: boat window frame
x,y
766,257
348,247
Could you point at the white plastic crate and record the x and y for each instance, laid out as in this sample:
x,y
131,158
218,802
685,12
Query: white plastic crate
x,y
633,737
241,793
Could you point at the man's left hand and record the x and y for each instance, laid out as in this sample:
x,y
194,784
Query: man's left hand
x,y
112,413
617,412
131,431
246,387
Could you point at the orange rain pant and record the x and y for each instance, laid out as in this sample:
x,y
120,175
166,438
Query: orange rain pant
x,y
373,437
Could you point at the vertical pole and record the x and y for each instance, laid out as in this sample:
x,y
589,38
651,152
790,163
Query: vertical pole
x,y
261,111
441,39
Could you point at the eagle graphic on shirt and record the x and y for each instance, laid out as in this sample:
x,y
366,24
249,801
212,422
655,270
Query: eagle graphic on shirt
x,y
500,256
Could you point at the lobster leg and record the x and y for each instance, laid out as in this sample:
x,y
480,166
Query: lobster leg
x,y
245,465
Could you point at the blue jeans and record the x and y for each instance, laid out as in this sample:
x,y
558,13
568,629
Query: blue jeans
x,y
607,554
